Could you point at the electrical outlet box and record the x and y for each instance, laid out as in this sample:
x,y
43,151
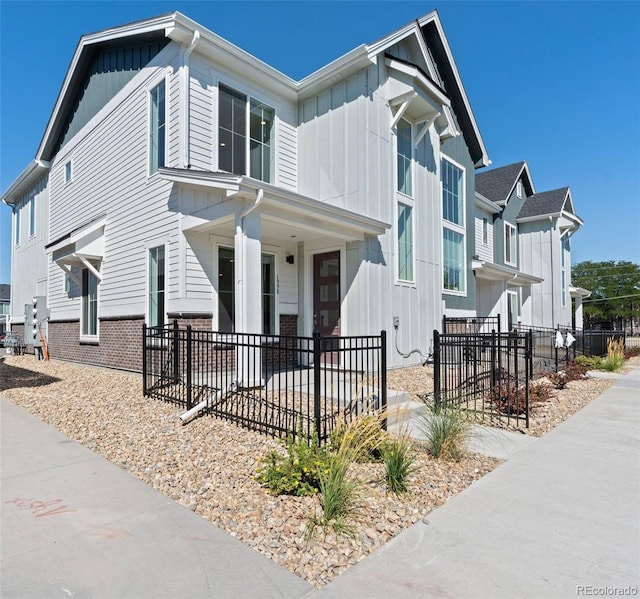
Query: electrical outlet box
x,y
396,322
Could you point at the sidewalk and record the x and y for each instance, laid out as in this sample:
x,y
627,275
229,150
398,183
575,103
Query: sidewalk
x,y
560,518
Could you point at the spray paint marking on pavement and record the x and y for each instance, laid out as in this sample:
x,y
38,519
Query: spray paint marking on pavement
x,y
41,508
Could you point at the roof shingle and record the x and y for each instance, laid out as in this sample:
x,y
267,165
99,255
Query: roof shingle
x,y
496,184
544,203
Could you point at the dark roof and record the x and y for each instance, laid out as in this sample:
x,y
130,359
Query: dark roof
x,y
544,203
5,291
496,184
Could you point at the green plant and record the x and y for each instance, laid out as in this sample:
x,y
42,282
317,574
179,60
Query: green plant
x,y
615,356
446,429
589,362
363,438
297,472
399,460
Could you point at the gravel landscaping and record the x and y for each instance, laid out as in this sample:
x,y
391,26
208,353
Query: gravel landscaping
x,y
209,465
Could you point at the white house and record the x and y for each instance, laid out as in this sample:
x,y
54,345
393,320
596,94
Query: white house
x,y
523,258
179,177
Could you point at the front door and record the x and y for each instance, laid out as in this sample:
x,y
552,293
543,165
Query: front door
x,y
326,299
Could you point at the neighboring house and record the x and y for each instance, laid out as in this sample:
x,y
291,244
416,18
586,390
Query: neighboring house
x,y
5,302
182,178
523,259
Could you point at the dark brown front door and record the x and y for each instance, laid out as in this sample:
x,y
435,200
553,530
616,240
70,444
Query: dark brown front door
x,y
326,297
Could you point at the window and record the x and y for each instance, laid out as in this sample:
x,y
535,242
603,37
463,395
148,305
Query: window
x,y
157,132
485,231
66,283
17,210
513,298
405,182
453,258
453,234
68,171
233,111
405,242
89,316
226,292
564,254
268,294
510,250
519,190
156,287
32,216
564,288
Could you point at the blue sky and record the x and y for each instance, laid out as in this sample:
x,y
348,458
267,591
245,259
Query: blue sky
x,y
554,83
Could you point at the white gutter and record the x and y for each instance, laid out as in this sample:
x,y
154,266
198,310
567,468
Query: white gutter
x,y
185,99
28,177
189,415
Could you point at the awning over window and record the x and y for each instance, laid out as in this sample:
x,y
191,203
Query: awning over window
x,y
83,247
488,271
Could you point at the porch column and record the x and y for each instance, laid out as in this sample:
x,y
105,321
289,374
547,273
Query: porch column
x,y
248,297
578,314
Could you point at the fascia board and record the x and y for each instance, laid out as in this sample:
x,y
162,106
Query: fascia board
x,y
487,204
30,175
432,17
536,217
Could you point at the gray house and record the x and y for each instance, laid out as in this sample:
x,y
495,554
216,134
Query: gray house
x,y
179,177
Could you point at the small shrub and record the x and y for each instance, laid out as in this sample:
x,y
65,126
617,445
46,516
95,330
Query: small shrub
x,y
559,380
539,392
297,472
589,362
615,356
631,352
508,397
576,371
363,437
446,429
399,460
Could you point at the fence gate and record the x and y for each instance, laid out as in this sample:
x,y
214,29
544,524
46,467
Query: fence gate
x,y
486,374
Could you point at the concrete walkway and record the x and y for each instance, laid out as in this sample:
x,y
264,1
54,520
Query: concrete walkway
x,y
560,518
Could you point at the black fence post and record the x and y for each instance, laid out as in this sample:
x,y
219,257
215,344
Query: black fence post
x,y
188,367
176,353
144,359
383,374
436,369
555,349
317,353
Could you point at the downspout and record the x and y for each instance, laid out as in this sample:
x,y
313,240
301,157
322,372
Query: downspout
x,y
186,100
553,275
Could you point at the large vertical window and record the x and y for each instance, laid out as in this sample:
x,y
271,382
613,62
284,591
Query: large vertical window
x,y
261,119
405,242
405,181
226,292
156,287
234,146
157,129
453,231
32,216
510,245
564,259
89,319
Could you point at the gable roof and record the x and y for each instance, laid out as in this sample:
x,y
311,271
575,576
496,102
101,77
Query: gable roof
x,y
497,184
547,203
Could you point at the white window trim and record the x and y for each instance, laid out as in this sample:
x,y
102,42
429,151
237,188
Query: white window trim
x,y
412,162
407,201
149,88
519,190
508,225
91,339
456,228
485,231
71,169
32,216
216,126
148,247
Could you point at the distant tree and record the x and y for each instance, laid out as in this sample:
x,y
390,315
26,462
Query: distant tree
x,y
615,291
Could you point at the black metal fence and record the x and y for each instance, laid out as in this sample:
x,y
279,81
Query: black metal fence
x,y
275,384
487,374
471,324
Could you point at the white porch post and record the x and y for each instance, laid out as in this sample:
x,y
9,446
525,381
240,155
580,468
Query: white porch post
x,y
248,297
578,315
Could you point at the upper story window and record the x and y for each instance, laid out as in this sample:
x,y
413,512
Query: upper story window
x,y
405,242
234,148
32,216
510,244
453,231
519,190
404,154
68,171
157,128
485,231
